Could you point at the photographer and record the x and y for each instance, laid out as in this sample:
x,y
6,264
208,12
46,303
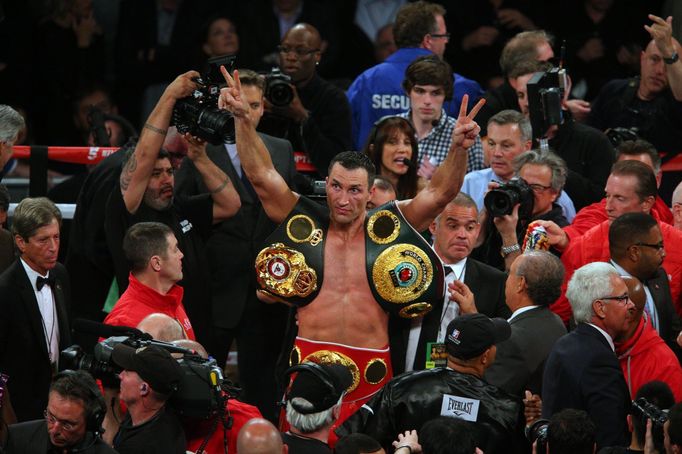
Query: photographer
x,y
72,422
150,375
317,119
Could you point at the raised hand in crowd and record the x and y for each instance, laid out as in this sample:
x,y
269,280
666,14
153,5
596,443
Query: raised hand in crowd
x,y
408,440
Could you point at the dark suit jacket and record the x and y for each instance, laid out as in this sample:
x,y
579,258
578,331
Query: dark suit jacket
x,y
520,360
668,320
23,349
235,242
487,285
582,372
6,249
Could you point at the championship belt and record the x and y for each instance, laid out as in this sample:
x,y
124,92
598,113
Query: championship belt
x,y
406,275
290,267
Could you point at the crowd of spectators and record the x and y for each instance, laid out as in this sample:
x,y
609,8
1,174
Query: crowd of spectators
x,y
529,231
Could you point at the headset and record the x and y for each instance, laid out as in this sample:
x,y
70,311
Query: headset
x,y
321,374
380,122
95,419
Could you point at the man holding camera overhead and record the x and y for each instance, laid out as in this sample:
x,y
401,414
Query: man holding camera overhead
x,y
315,115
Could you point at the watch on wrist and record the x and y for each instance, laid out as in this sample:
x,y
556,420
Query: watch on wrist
x,y
506,250
673,58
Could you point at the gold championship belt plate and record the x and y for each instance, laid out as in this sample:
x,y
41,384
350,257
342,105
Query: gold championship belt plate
x,y
283,271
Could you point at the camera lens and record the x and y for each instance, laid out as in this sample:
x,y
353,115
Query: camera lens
x,y
280,93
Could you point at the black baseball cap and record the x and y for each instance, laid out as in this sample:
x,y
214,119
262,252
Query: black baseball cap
x,y
153,364
470,335
322,388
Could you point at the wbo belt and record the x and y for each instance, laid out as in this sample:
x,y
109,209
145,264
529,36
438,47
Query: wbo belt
x,y
370,368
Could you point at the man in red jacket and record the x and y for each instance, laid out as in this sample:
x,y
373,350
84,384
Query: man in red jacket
x,y
631,187
156,265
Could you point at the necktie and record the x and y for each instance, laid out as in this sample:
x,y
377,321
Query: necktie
x,y
41,281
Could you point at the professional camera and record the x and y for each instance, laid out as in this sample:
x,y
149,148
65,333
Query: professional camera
x,y
278,89
643,409
538,431
199,394
545,92
198,114
500,201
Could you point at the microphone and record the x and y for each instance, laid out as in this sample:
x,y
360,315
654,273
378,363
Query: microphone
x,y
434,123
101,330
408,162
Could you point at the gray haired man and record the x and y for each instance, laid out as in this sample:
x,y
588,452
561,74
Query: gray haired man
x,y
11,123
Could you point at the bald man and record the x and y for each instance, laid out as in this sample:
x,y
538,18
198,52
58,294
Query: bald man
x,y
259,436
162,327
318,120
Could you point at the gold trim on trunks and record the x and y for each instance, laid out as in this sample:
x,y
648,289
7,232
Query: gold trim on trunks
x,y
332,357
283,271
402,273
383,227
295,356
415,310
375,371
301,229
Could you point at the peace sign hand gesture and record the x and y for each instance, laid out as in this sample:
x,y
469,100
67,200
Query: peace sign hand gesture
x,y
231,97
466,129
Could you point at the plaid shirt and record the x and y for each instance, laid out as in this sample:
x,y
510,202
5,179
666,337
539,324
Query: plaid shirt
x,y
436,144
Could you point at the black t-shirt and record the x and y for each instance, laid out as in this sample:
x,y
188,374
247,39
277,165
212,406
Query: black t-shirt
x,y
303,445
162,434
191,220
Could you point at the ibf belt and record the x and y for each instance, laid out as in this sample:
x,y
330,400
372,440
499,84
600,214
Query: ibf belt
x,y
289,268
406,274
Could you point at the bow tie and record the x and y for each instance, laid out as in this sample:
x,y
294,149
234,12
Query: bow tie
x,y
41,281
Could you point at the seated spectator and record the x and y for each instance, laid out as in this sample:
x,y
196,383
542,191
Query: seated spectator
x,y
317,121
392,147
428,84
545,175
652,102
11,123
382,191
313,404
259,436
582,371
532,285
411,399
156,267
571,431
162,327
419,29
150,376
587,151
637,250
72,422
358,444
591,215
509,135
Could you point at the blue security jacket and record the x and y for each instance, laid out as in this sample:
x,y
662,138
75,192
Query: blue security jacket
x,y
378,92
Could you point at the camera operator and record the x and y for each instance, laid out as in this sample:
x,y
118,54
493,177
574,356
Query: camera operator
x,y
672,433
541,173
150,375
317,120
72,422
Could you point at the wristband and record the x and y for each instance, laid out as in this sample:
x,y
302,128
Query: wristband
x,y
404,446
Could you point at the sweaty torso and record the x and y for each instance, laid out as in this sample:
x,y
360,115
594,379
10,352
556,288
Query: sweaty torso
x,y
345,310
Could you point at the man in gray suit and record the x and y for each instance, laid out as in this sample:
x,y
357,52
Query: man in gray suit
x,y
534,282
232,249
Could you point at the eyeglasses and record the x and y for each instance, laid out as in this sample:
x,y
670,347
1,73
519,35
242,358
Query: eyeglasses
x,y
68,426
299,51
539,188
622,299
657,246
440,35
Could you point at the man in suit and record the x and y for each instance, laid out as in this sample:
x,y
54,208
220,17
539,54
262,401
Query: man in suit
x,y
582,370
472,287
534,282
636,247
34,295
232,248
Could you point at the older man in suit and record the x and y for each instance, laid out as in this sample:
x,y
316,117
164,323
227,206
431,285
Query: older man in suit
x,y
232,249
582,370
534,282
472,287
34,295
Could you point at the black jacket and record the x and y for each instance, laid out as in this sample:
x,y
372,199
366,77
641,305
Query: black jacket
x,y
31,438
411,399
